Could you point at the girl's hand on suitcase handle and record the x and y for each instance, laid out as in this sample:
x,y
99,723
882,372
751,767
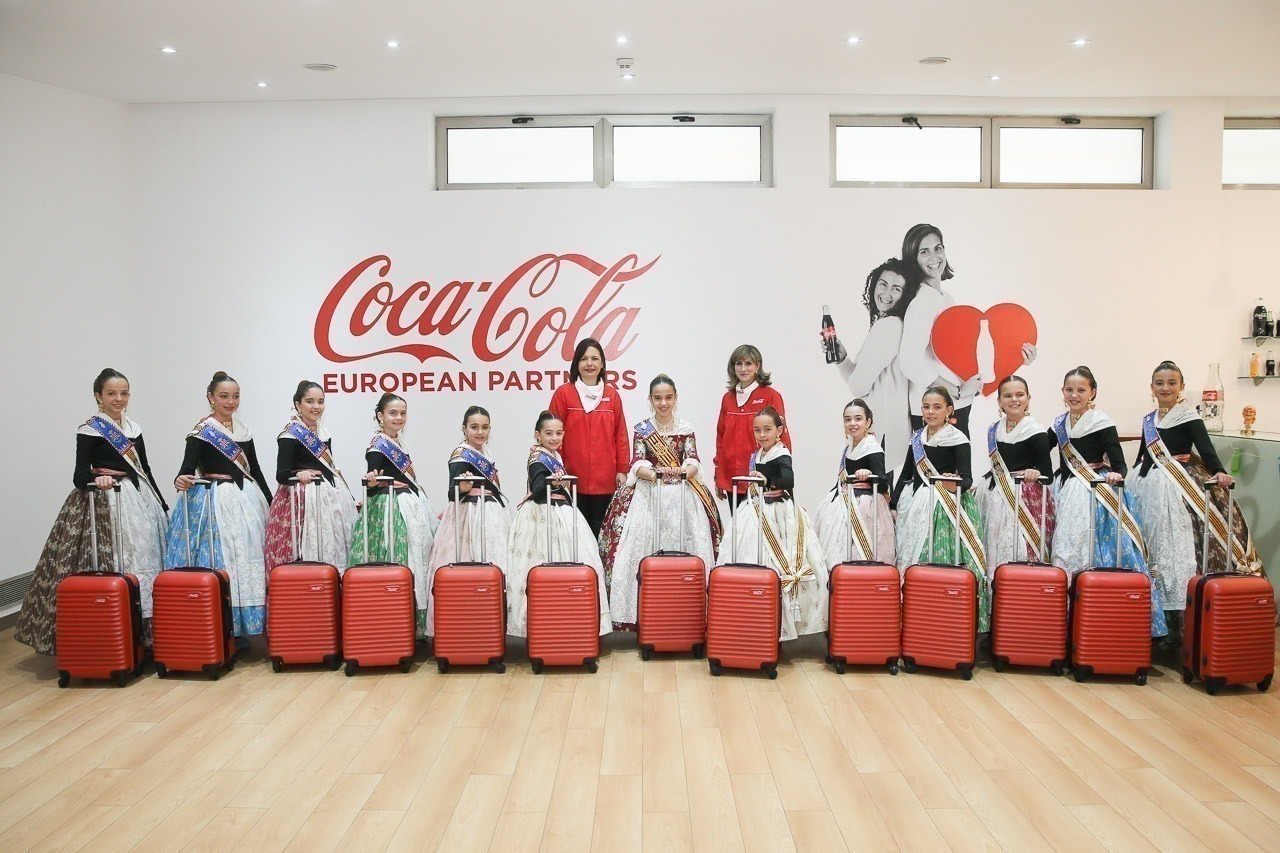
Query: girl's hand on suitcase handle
x,y
647,472
106,481
1114,478
1221,479
183,482
306,476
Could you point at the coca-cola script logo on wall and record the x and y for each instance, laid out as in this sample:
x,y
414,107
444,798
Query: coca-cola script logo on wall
x,y
541,309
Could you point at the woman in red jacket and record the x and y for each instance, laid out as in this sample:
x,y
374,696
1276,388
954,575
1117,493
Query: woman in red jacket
x,y
597,440
750,391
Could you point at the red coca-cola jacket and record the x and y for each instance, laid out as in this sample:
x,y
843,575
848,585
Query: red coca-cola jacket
x,y
597,444
735,441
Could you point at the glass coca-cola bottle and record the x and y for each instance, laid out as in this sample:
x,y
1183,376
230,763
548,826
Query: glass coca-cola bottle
x,y
1260,326
1212,399
830,346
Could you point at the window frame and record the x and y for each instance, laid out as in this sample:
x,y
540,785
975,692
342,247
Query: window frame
x,y
983,123
1146,125
602,146
1247,124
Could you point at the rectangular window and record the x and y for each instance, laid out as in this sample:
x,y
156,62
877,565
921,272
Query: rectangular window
x,y
924,151
518,152
1073,152
1251,153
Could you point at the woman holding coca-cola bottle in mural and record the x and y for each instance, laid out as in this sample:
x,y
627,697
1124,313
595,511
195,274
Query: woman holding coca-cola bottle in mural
x,y
597,440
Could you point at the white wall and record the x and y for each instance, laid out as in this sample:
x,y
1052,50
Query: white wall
x,y
247,214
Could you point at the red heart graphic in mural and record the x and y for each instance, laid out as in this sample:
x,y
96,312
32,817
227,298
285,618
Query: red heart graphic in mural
x,y
955,338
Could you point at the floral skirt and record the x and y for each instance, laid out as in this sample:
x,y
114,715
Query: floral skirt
x,y
326,515
408,543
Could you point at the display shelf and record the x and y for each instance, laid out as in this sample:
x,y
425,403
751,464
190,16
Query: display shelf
x,y
1257,380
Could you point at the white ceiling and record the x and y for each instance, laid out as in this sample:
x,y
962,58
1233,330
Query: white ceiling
x,y
476,48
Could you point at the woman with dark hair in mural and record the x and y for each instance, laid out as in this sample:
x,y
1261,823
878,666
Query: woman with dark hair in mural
x,y
597,446
927,266
874,374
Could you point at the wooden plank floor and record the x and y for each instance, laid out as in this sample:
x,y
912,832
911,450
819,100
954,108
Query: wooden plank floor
x,y
640,756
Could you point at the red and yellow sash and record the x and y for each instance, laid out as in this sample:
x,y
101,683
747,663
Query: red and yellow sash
x,y
950,502
1026,526
1107,497
667,458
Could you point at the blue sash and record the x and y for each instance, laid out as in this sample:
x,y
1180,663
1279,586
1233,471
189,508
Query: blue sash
x,y
117,439
554,465
224,444
486,466
991,437
1060,430
398,457
917,445
310,441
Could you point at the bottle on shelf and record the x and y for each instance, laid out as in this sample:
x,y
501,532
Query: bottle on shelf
x,y
1271,323
1212,399
830,345
1260,328
1254,367
1271,362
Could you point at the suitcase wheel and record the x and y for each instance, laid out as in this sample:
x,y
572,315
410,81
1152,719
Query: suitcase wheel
x,y
700,650
215,674
406,664
277,665
998,663
120,678
646,652
161,670
1059,667
1264,684
497,666
967,672
893,669
231,663
1079,674
64,678
536,665
829,659
713,665
1140,679
1211,687
351,668
840,667
442,665
908,666
771,670
591,665
1187,675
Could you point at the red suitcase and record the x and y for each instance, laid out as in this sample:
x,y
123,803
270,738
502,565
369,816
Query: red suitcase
x,y
563,605
191,627
672,606
470,602
940,611
1029,608
744,610
865,613
378,610
98,626
1229,633
1111,617
303,623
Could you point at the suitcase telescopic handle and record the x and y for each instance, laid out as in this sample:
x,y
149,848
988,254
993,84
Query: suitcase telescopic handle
x,y
388,519
1102,481
573,521
758,479
681,475
457,515
1043,480
293,516
205,513
874,480
934,479
114,512
1204,551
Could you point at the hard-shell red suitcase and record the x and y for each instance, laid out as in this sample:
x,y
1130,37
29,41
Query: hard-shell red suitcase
x,y
1110,616
563,605
744,610
671,612
470,602
99,616
940,610
303,621
865,614
191,627
1029,607
1229,633
378,611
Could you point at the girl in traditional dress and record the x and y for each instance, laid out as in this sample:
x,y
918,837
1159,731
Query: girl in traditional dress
x,y
662,447
471,457
220,449
874,374
1090,466
940,448
836,520
326,510
791,546
1175,460
109,448
413,521
527,546
750,391
1019,447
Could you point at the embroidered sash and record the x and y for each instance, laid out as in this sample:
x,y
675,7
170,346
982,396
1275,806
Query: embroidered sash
x,y
858,527
667,458
224,444
123,445
315,447
396,455
1008,486
1192,494
950,502
791,577
477,460
1107,497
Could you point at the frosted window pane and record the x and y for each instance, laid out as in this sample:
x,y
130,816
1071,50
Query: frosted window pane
x,y
934,155
1070,155
1251,155
686,154
525,155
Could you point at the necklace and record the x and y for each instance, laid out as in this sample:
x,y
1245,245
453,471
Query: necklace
x,y
664,429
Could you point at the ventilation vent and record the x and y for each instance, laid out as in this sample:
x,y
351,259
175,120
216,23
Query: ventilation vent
x,y
13,590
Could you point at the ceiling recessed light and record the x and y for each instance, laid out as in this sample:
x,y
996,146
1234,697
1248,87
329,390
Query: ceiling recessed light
x,y
168,49
621,39
261,85
393,44
995,77
628,76
1079,42
854,40
934,60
